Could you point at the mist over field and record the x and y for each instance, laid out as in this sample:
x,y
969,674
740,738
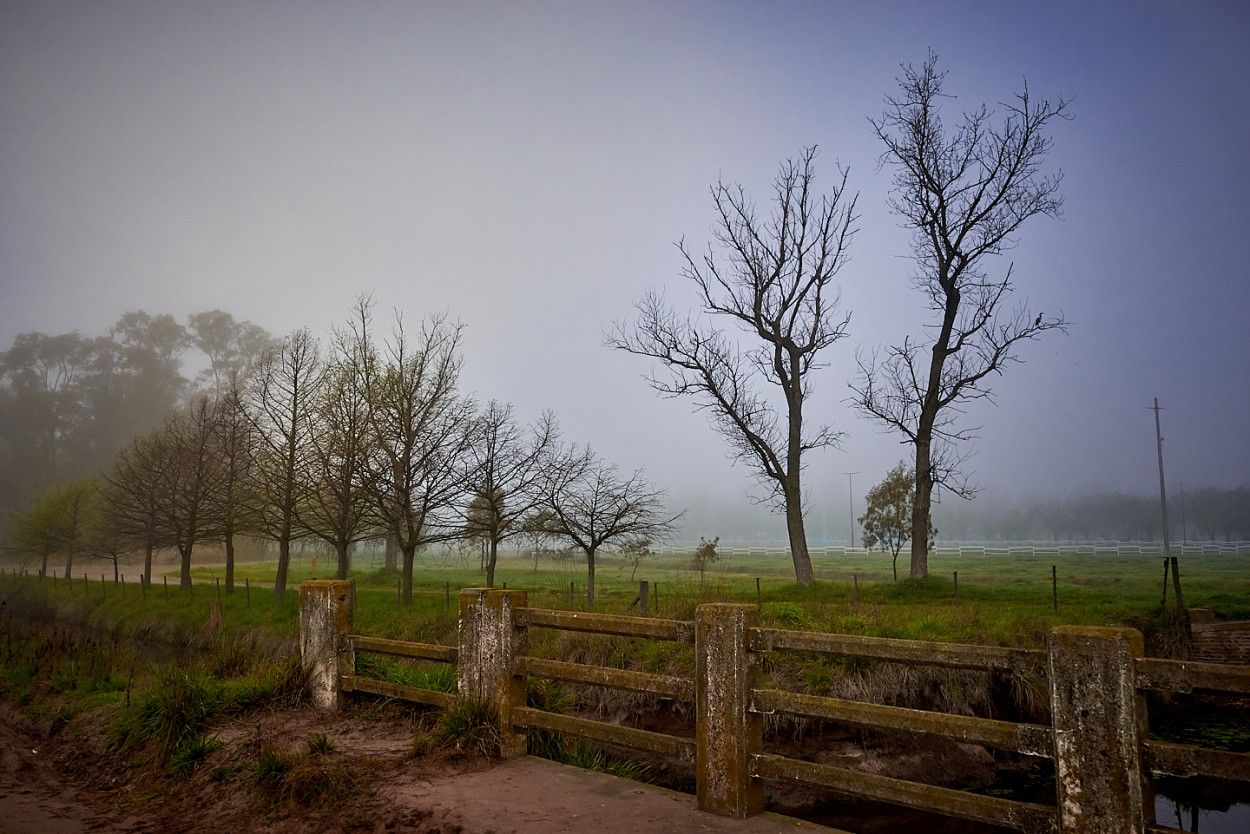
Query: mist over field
x,y
527,169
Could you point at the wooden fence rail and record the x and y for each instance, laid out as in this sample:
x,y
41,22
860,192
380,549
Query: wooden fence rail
x,y
1096,678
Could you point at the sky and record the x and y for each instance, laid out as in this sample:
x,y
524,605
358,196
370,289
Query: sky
x,y
526,168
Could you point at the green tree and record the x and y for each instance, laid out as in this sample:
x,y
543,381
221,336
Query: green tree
x,y
963,192
705,554
887,520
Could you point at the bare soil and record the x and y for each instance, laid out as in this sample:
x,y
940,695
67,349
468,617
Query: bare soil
x,y
65,784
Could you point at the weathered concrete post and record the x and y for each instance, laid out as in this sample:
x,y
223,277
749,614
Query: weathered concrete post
x,y
490,641
1100,723
727,733
327,609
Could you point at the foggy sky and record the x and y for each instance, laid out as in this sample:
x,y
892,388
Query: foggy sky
x,y
527,167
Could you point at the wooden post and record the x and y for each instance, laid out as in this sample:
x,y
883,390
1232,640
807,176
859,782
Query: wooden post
x,y
1054,585
490,641
759,598
327,613
727,732
855,578
644,596
956,586
1099,720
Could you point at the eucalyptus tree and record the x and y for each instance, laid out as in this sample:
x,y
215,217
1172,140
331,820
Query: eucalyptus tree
x,y
232,347
590,504
504,469
419,429
887,516
774,283
280,406
964,192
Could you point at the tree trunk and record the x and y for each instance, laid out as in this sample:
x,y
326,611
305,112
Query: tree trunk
x,y
920,512
798,540
184,568
229,562
590,579
340,549
69,563
147,562
284,566
392,552
410,557
490,563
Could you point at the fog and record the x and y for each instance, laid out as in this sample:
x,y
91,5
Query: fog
x,y
527,168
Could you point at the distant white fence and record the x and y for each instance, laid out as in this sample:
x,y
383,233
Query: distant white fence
x,y
975,549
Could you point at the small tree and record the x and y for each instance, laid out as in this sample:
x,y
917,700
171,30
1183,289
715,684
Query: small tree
x,y
590,504
633,553
887,521
704,555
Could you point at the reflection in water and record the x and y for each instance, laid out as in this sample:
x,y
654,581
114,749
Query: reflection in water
x,y
1187,816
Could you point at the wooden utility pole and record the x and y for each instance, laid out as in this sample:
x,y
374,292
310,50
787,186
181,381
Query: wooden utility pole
x,y
1163,504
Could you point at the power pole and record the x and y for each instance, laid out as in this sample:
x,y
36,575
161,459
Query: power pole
x,y
850,488
1163,505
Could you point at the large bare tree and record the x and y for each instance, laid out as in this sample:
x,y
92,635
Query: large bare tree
x,y
775,283
963,191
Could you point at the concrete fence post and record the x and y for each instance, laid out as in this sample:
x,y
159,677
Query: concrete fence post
x,y
1099,724
727,732
327,610
490,641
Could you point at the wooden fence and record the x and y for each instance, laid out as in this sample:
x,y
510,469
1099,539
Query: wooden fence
x,y
1096,678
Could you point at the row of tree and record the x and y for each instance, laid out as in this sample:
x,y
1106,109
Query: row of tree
x,y
353,440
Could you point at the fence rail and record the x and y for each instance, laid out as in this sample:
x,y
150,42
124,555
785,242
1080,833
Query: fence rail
x,y
1096,678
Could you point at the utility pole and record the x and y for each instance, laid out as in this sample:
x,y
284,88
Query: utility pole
x,y
1163,505
850,488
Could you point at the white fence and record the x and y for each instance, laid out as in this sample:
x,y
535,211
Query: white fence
x,y
975,549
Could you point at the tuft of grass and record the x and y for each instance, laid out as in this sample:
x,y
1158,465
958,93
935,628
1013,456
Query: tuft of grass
x,y
192,754
470,728
320,745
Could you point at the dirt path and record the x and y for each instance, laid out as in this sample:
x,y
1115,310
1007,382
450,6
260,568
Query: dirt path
x,y
57,786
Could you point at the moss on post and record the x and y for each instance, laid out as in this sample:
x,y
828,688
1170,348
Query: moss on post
x,y
727,732
490,642
327,611
1099,724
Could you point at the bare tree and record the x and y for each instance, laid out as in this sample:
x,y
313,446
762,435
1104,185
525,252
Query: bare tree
x,y
280,407
505,467
235,444
590,504
963,192
336,506
775,284
191,478
134,496
419,426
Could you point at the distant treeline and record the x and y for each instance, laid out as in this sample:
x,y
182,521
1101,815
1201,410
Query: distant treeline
x,y
1202,514
69,403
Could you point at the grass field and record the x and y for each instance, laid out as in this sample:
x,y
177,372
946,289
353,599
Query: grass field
x,y
1007,600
